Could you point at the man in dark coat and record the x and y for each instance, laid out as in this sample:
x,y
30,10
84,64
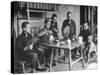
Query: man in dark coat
x,y
24,47
69,27
44,35
85,32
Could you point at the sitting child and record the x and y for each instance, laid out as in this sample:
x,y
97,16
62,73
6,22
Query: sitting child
x,y
90,50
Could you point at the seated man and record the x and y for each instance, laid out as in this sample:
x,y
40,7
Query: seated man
x,y
40,52
24,47
44,35
85,32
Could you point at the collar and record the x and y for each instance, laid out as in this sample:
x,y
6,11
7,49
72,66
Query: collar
x,y
25,34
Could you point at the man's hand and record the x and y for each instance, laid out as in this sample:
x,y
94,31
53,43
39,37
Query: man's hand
x,y
50,32
31,46
56,30
26,48
40,49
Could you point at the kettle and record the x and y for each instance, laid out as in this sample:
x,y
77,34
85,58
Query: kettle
x,y
51,38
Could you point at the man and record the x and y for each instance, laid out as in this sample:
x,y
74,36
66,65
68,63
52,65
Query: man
x,y
24,47
54,26
85,32
55,30
69,27
44,35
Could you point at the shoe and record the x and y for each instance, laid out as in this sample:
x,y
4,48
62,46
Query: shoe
x,y
54,64
33,71
47,66
41,69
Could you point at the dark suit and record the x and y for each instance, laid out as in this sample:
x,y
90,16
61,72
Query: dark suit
x,y
68,33
85,34
22,41
72,27
54,25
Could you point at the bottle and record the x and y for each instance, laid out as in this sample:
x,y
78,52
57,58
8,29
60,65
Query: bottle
x,y
58,43
51,38
69,43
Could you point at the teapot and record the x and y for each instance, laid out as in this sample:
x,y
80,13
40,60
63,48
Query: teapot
x,y
51,38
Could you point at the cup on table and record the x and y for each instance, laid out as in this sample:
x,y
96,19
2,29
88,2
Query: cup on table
x,y
80,39
58,42
62,42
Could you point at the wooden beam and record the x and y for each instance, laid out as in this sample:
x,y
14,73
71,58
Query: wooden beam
x,y
76,60
92,19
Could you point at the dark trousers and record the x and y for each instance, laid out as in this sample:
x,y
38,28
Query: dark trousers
x,y
30,57
41,56
35,61
47,55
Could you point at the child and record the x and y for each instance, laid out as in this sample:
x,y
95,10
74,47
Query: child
x,y
90,50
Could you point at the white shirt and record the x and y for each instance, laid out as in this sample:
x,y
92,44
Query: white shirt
x,y
92,47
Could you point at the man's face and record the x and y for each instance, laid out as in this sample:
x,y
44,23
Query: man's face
x,y
27,29
69,16
85,26
89,39
54,18
48,24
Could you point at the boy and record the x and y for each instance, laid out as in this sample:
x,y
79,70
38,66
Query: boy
x,y
90,50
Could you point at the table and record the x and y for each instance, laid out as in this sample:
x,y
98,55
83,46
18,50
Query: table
x,y
66,47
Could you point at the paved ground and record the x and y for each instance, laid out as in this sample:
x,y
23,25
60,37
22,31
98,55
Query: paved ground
x,y
77,66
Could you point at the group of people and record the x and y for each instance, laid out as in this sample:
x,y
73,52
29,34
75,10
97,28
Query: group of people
x,y
30,48
88,41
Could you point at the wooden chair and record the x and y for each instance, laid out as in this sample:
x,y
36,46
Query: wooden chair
x,y
22,63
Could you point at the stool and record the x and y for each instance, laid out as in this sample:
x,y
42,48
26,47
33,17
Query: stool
x,y
22,63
